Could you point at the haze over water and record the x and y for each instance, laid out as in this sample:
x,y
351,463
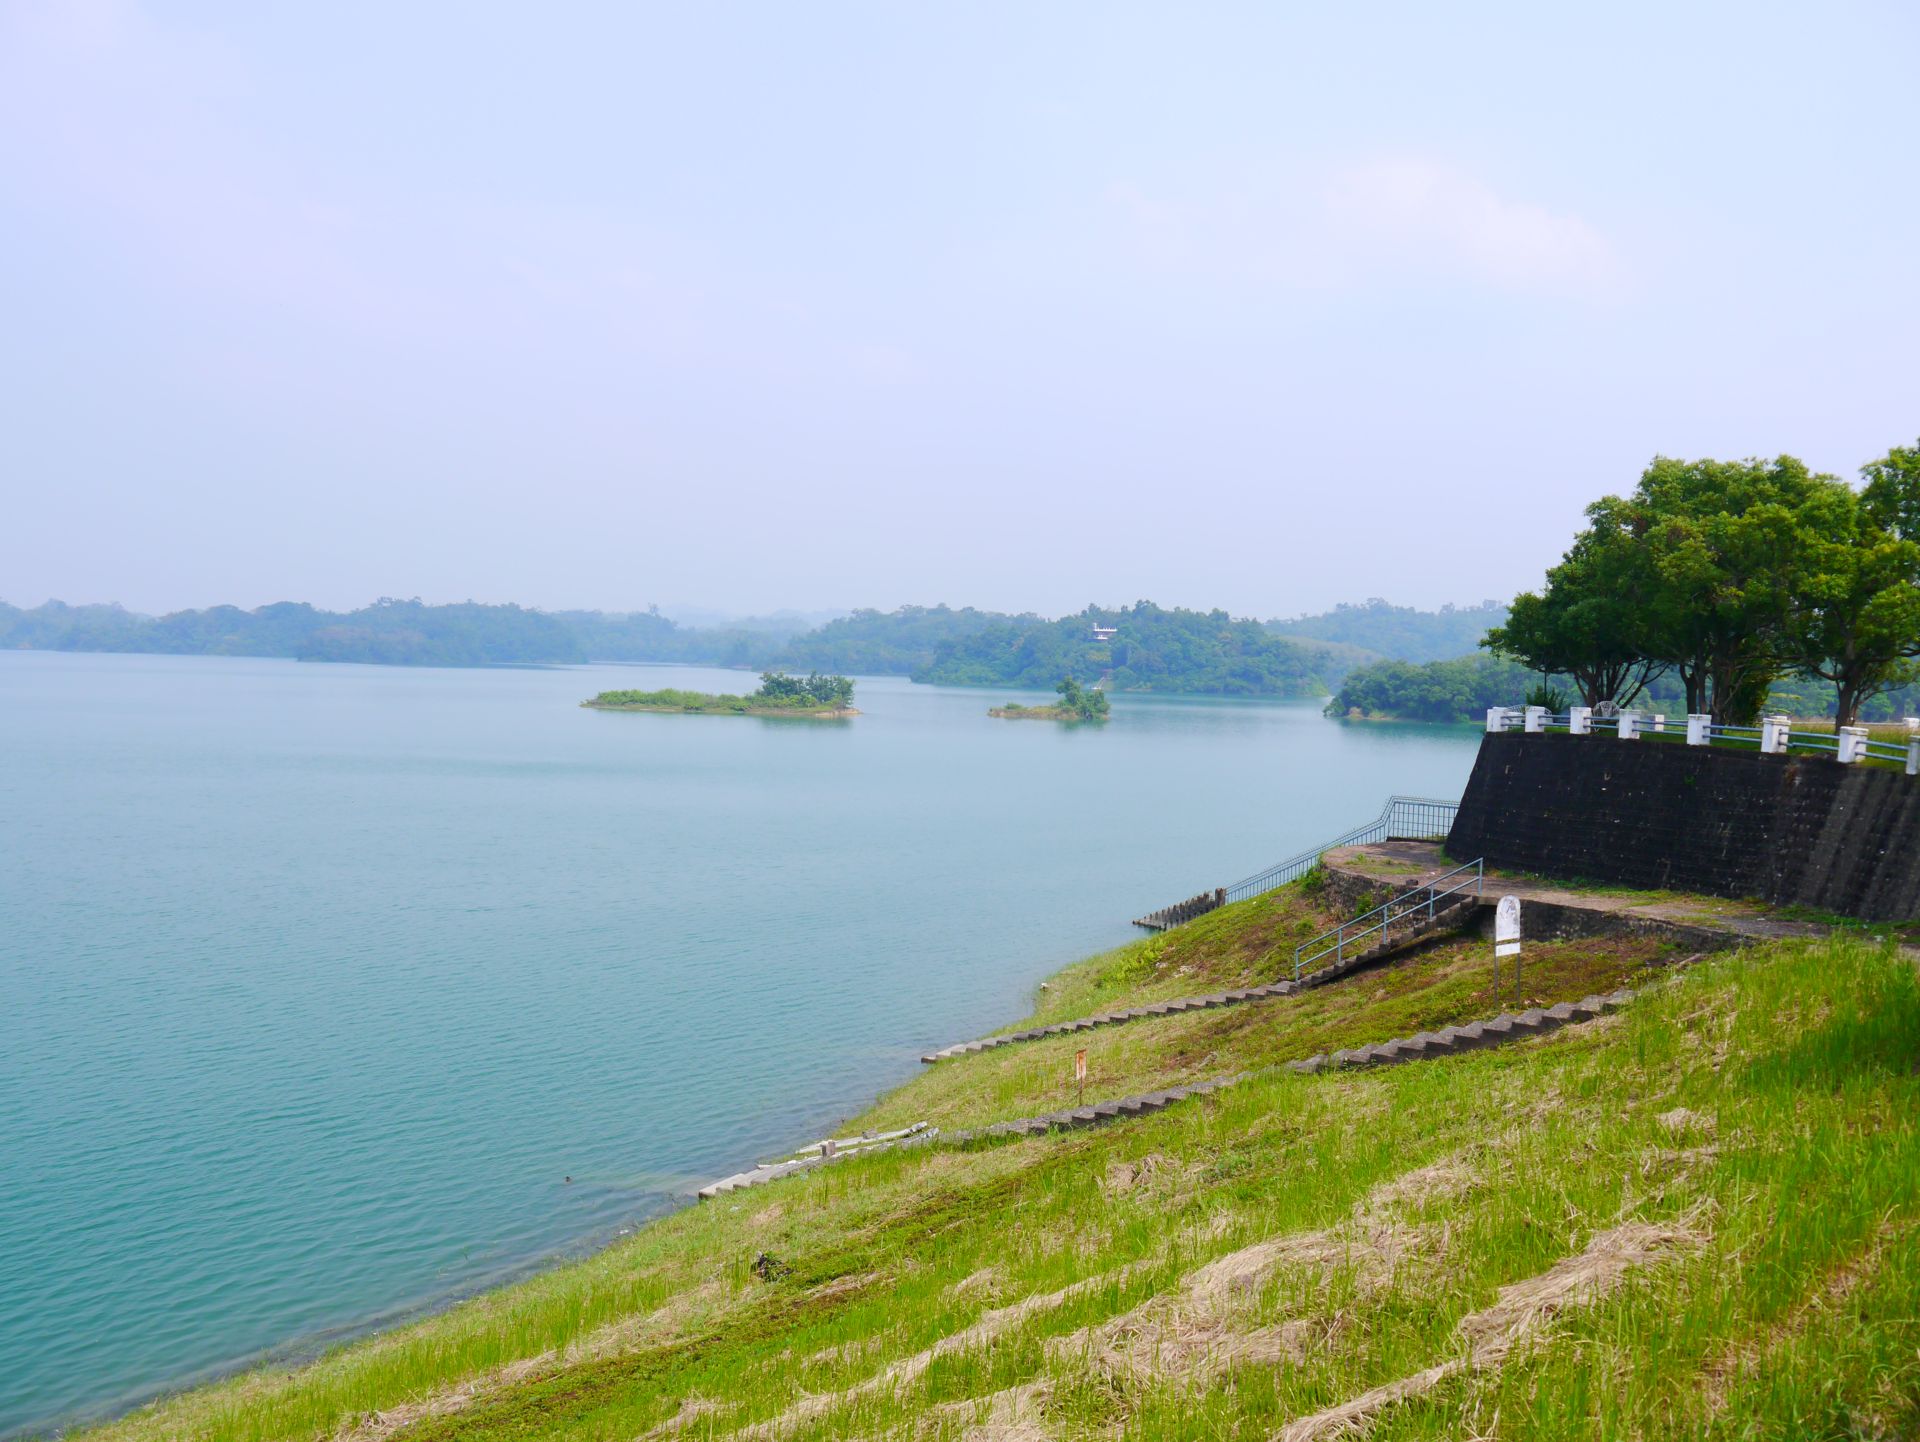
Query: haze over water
x,y
316,982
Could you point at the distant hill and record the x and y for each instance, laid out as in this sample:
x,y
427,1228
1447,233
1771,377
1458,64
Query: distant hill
x,y
1151,649
781,623
1399,633
389,632
649,636
887,643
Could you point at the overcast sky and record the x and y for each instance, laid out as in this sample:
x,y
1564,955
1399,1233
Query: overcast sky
x,y
1017,305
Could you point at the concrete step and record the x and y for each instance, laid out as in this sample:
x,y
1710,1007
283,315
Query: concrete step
x,y
1174,1007
1448,1041
1471,1036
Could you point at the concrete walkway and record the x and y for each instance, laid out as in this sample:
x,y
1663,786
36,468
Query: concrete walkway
x,y
1708,921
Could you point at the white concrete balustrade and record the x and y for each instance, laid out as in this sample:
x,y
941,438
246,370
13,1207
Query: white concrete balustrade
x,y
1852,744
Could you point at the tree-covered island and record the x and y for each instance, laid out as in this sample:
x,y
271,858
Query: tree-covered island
x,y
1077,703
814,696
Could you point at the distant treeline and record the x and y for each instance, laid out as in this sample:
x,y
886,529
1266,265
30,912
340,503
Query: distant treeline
x,y
1150,649
1463,688
389,632
1400,632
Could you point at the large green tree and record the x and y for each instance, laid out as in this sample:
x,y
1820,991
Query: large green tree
x,y
1730,542
1853,615
1589,622
1699,570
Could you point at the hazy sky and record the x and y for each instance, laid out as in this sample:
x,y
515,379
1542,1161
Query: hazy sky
x,y
1019,305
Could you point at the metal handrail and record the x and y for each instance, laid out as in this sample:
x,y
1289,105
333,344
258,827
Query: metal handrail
x,y
1403,818
1404,905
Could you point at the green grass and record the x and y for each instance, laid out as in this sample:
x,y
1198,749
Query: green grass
x,y
1441,984
1014,711
1761,1105
1248,943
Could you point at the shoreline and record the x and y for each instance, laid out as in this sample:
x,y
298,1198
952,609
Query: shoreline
x,y
1039,713
838,713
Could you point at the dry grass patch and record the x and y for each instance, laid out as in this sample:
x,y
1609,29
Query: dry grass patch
x,y
1491,1335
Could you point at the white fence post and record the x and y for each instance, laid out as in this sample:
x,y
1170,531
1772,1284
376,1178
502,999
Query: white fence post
x,y
1629,726
1496,718
1580,720
1536,718
1659,721
1853,745
1697,729
1913,757
1775,734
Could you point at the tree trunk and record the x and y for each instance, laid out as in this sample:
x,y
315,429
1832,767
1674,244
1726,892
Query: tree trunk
x,y
1694,680
1847,707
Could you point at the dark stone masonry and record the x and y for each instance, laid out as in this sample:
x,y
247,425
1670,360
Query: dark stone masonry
x,y
1793,830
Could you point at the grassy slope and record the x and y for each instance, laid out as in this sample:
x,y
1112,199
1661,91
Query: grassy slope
x,y
1760,1104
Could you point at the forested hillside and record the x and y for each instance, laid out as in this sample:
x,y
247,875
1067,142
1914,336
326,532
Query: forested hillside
x,y
388,632
392,632
886,643
1399,633
1152,649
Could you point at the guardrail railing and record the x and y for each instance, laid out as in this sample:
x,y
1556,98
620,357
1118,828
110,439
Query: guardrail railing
x,y
1775,735
1350,935
1403,818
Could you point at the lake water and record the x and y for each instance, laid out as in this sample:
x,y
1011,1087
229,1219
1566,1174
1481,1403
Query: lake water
x,y
316,981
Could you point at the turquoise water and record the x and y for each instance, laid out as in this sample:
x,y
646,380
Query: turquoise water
x,y
317,981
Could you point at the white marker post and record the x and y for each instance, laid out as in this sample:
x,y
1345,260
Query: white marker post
x,y
1506,941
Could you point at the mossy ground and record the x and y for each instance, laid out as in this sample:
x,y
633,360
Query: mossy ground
x,y
1702,1212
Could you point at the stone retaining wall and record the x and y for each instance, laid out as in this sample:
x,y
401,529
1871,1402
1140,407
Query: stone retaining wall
x,y
1793,830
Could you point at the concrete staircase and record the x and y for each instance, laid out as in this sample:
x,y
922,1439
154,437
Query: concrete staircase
x,y
1455,914
1452,914
1448,1041
1114,1018
1474,1036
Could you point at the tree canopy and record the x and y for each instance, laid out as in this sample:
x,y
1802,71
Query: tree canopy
x,y
817,689
1088,705
1150,649
1461,689
1733,575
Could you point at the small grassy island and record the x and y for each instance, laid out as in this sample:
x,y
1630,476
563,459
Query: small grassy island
x,y
1076,704
815,697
